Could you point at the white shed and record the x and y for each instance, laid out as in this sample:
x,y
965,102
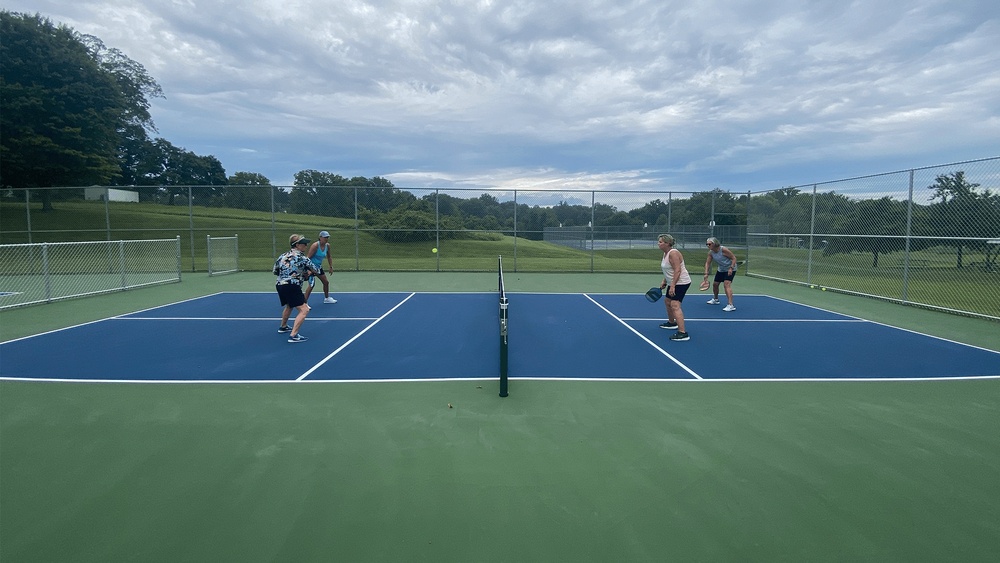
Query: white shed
x,y
113,194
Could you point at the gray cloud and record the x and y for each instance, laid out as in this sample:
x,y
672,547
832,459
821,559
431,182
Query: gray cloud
x,y
595,94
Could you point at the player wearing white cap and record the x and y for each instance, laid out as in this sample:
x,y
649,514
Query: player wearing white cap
x,y
319,251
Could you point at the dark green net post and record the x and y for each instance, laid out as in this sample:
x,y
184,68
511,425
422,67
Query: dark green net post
x,y
503,328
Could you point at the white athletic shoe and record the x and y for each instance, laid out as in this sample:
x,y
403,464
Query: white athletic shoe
x,y
728,308
329,300
712,302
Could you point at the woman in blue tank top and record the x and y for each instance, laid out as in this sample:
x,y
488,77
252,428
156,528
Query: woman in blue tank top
x,y
319,251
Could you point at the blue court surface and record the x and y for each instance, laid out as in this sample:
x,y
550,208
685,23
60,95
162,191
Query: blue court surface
x,y
230,337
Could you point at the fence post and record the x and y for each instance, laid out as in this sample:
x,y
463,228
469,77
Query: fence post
x,y
45,272
906,248
812,232
746,236
27,211
121,262
107,212
274,240
191,223
592,225
711,222
670,209
437,228
357,234
515,230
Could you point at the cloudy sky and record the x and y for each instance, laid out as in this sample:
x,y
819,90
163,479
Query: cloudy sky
x,y
584,94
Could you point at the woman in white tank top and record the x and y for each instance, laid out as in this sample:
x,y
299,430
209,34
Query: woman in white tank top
x,y
676,280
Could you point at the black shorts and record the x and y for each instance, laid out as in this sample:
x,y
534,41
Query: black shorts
x,y
290,295
721,276
679,292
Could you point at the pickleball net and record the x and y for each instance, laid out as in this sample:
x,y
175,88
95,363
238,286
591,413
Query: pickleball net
x,y
503,328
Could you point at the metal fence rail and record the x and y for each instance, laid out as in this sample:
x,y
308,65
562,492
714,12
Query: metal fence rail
x,y
50,271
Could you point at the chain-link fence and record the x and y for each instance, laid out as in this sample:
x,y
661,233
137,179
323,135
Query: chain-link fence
x,y
386,229
926,236
223,254
46,272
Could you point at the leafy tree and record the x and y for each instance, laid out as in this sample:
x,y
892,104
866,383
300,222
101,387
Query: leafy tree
x,y
134,83
618,218
874,225
479,209
963,214
793,215
173,169
380,194
66,102
137,86
701,207
448,204
138,160
169,169
255,191
308,195
783,196
411,225
603,214
325,193
763,210
789,211
652,213
571,215
831,208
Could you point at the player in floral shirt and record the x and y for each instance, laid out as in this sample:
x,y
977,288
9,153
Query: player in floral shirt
x,y
293,269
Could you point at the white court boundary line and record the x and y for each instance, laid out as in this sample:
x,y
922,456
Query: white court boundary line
x,y
121,316
704,320
353,338
883,324
646,340
847,319
496,380
270,319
